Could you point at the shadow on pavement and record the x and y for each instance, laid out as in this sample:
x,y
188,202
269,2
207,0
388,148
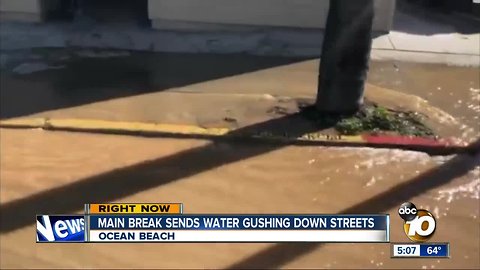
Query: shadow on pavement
x,y
127,181
120,183
281,254
88,79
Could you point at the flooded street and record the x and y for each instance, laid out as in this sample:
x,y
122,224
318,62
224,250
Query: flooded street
x,y
45,172
48,80
455,90
228,178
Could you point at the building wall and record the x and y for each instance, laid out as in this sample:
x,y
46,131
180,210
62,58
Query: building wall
x,y
20,10
25,10
28,6
286,13
201,13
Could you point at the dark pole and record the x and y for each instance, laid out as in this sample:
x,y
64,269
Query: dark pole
x,y
345,56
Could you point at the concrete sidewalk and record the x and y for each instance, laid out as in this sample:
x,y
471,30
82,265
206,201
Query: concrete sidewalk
x,y
451,40
418,36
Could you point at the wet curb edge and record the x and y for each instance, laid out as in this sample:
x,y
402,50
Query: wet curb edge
x,y
428,145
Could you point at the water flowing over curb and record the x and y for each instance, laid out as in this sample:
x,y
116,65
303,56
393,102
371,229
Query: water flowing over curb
x,y
429,145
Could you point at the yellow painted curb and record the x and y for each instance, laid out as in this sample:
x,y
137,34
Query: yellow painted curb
x,y
310,137
23,123
329,138
117,127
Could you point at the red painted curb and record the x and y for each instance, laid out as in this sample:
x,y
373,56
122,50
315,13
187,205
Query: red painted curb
x,y
410,140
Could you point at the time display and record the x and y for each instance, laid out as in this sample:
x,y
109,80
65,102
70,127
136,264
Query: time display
x,y
406,250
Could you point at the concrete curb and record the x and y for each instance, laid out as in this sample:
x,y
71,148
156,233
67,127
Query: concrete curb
x,y
111,126
260,41
429,145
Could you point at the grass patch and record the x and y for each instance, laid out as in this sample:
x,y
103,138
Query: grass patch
x,y
371,118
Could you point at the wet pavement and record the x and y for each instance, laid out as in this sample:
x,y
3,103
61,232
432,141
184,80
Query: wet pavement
x,y
146,87
456,90
47,80
57,172
228,178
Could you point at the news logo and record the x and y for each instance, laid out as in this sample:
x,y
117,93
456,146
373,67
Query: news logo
x,y
419,224
51,228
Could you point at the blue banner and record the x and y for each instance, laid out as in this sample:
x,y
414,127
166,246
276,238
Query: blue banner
x,y
434,250
239,222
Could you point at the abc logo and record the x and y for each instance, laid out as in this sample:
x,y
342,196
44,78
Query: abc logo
x,y
419,224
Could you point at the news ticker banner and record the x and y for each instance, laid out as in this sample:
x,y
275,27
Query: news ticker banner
x,y
167,223
423,250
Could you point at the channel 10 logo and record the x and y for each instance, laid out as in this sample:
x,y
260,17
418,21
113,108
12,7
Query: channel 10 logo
x,y
419,224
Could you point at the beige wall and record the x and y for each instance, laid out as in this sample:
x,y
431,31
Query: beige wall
x,y
289,13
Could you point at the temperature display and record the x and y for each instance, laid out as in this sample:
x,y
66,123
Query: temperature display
x,y
431,250
434,250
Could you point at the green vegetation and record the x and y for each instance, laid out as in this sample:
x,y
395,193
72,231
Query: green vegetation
x,y
371,119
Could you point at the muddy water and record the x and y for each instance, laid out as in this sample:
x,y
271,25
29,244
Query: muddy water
x,y
54,80
45,80
58,172
455,90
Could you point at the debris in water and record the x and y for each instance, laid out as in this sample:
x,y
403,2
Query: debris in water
x,y
371,182
229,119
